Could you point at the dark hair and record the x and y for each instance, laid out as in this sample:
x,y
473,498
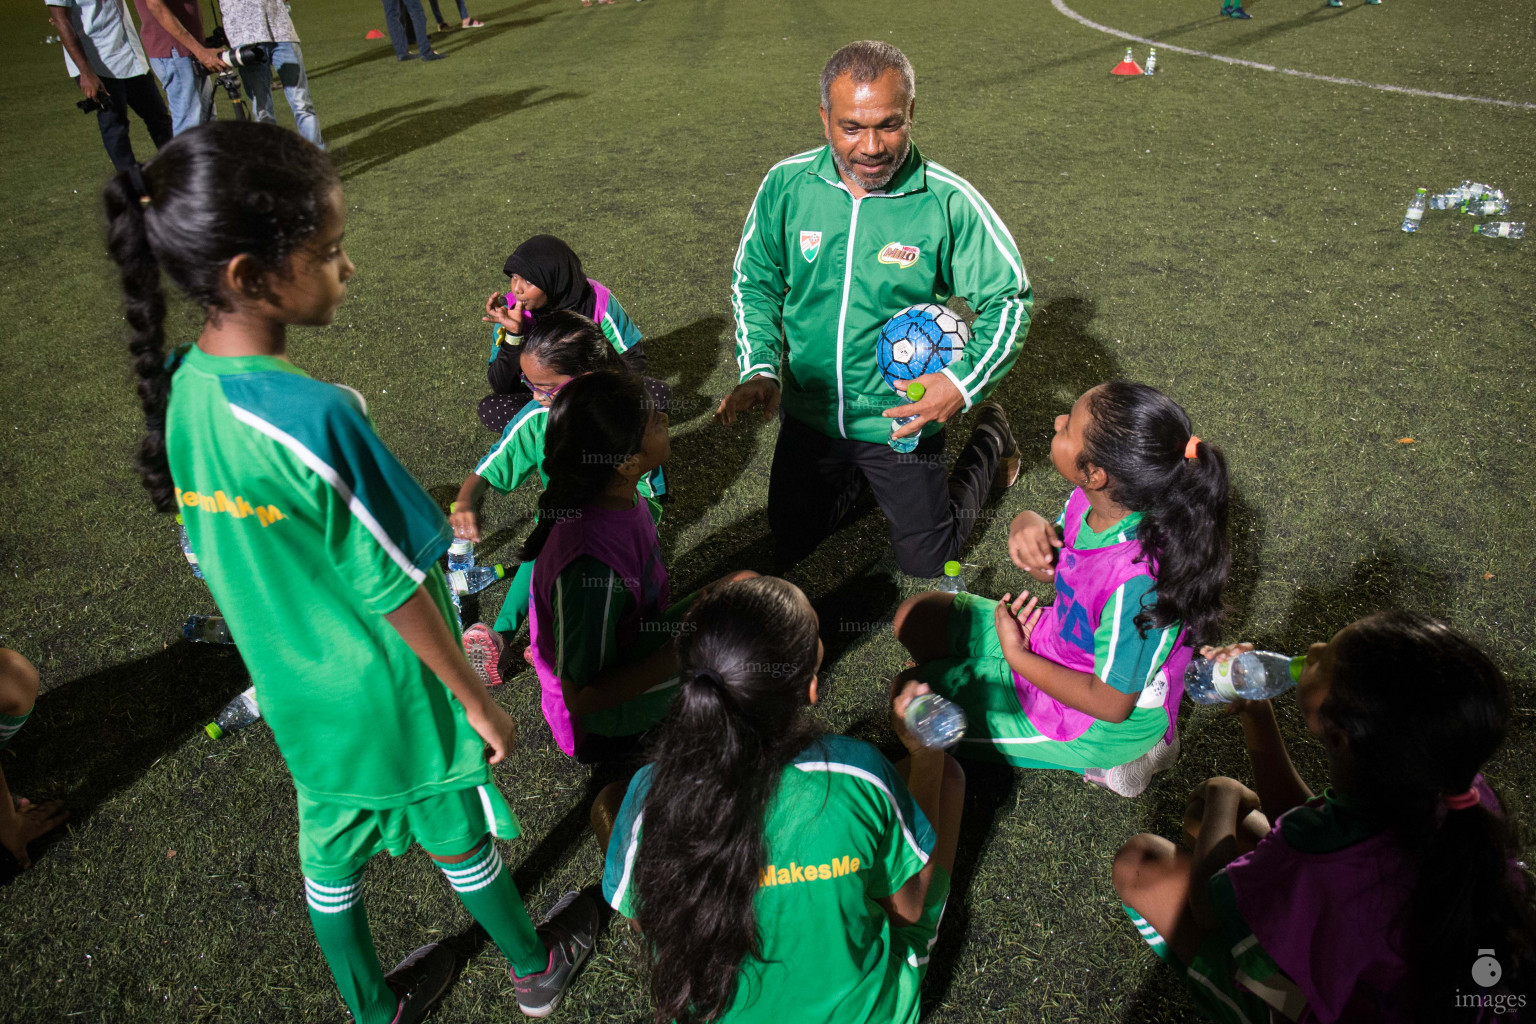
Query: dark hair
x,y
746,654
570,344
866,60
595,423
212,193
1138,436
1423,709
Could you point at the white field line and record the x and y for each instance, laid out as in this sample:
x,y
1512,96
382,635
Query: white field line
x,y
1069,12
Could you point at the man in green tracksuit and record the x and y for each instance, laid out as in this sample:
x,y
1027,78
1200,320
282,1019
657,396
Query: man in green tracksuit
x,y
839,240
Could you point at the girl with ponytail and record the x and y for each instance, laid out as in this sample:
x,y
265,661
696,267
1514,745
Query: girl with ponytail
x,y
321,551
777,874
1378,900
601,622
559,346
1138,557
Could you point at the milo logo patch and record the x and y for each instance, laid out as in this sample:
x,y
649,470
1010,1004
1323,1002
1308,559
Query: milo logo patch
x,y
901,255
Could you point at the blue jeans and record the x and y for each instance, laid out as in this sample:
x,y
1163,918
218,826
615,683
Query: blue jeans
x,y
188,90
438,14
289,61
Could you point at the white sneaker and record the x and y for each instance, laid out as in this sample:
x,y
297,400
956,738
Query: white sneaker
x,y
1131,778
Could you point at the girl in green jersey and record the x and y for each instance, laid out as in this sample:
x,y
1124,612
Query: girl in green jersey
x,y
322,552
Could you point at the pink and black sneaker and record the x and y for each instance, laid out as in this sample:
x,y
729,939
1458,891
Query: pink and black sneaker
x,y
482,646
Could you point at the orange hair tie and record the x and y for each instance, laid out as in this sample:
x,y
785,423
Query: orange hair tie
x,y
1189,449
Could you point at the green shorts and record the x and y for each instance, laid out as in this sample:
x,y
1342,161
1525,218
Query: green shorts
x,y
655,704
335,841
976,677
1209,979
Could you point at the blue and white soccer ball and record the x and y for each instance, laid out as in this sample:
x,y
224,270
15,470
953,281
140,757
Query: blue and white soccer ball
x,y
920,339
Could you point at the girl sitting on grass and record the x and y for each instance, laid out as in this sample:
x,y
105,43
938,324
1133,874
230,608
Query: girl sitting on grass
x,y
560,346
544,275
601,620
778,874
1139,556
321,551
1373,901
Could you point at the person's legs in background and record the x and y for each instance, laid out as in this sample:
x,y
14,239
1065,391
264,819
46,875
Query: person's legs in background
x,y
289,59
257,81
112,119
144,97
188,90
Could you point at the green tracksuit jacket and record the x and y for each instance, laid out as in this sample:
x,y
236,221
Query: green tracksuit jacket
x,y
823,272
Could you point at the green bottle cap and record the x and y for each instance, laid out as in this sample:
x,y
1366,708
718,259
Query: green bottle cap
x,y
915,392
951,568
1297,664
501,573
182,522
213,731
1423,190
452,506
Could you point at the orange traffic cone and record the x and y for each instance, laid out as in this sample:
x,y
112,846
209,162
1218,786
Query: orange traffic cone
x,y
1127,66
374,33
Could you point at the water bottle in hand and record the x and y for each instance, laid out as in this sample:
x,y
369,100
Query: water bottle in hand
x,y
186,546
237,714
952,583
1255,675
206,629
915,392
1415,210
461,553
474,579
937,723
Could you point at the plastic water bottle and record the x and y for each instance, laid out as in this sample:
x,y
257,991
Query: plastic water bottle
x,y
186,546
952,583
1487,206
1415,211
207,629
1448,200
1500,229
915,392
475,579
1151,62
1256,675
237,714
937,723
461,553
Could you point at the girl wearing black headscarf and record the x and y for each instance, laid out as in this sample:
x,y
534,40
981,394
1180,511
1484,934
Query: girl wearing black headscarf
x,y
544,274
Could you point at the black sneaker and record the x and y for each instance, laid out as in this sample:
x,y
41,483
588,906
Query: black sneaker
x,y
434,55
420,981
991,418
569,931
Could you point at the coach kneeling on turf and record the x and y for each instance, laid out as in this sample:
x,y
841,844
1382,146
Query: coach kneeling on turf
x,y
839,240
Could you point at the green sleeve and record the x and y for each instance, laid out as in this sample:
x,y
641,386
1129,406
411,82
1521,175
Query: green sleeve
x,y
986,270
619,865
758,286
906,838
589,599
1122,658
622,333
519,451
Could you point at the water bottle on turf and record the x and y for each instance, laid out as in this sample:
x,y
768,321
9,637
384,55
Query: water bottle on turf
x,y
937,723
1256,675
474,579
952,583
1151,62
1500,229
1415,210
915,392
1487,206
237,714
206,629
186,546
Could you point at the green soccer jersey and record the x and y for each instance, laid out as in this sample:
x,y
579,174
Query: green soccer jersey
x,y
841,831
520,452
309,532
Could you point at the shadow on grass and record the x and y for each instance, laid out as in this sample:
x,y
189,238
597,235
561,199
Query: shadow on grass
x,y
1245,526
675,353
97,735
1385,578
412,131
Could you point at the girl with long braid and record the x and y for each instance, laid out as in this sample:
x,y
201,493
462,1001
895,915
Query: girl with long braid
x,y
322,553
778,874
601,619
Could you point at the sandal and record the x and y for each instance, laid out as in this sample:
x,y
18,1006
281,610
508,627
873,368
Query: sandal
x,y
443,26
473,23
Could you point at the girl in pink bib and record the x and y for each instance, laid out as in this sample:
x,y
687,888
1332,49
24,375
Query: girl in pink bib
x,y
1091,682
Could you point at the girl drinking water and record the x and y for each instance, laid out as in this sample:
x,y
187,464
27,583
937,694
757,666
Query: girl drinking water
x,y
1377,900
1092,682
601,619
778,874
544,275
560,346
321,551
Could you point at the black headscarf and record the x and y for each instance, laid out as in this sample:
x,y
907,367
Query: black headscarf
x,y
549,265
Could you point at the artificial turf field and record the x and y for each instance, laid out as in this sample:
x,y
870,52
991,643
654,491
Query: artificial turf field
x,y
1227,234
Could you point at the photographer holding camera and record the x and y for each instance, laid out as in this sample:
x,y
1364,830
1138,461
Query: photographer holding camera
x,y
172,33
266,25
103,54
